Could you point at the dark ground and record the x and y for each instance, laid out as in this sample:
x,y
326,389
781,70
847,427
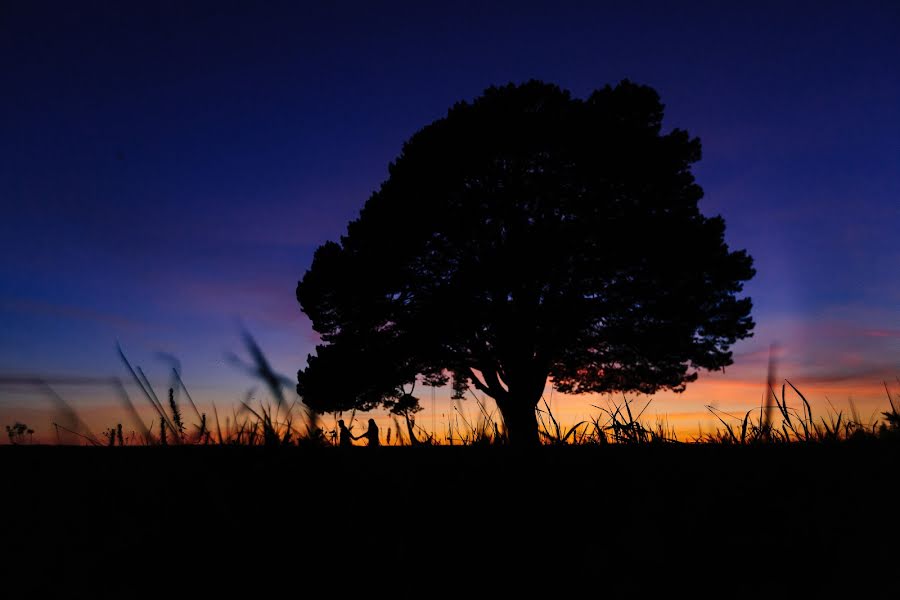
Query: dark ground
x,y
709,520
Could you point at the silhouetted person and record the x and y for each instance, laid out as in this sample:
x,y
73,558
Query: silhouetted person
x,y
372,434
345,438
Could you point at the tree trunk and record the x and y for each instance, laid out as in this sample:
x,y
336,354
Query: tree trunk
x,y
521,423
517,400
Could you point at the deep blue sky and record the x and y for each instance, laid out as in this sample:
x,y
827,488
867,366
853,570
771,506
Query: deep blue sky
x,y
168,170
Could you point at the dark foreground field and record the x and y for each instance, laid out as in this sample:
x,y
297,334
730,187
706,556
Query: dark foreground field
x,y
708,520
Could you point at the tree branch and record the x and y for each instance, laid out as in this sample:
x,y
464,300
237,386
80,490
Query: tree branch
x,y
491,385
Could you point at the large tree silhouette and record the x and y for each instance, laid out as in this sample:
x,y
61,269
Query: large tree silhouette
x,y
528,235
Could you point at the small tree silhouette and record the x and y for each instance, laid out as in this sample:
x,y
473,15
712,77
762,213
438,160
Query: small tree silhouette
x,y
528,235
17,431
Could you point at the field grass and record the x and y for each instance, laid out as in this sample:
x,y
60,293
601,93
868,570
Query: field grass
x,y
778,501
784,416
784,503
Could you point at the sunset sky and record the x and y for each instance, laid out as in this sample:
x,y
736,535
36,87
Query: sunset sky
x,y
166,172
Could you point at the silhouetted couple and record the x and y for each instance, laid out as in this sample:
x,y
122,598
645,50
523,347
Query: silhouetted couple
x,y
346,438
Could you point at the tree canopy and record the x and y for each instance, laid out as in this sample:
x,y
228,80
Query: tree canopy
x,y
528,235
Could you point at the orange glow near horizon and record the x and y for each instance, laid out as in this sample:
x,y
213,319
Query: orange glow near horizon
x,y
686,414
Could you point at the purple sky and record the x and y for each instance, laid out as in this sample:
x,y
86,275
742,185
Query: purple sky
x,y
166,172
